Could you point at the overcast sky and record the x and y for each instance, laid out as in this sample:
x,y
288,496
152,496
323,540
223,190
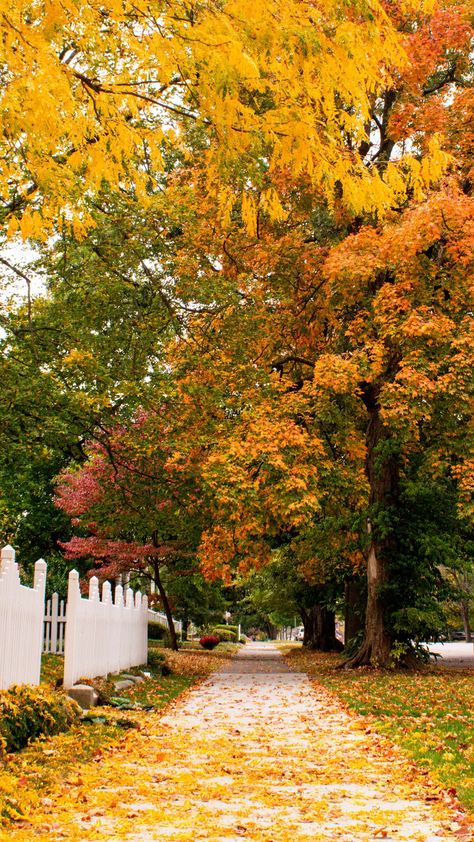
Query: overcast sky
x,y
12,286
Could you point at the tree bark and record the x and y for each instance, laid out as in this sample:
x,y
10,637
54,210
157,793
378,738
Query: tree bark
x,y
185,628
383,475
464,606
320,629
354,612
166,606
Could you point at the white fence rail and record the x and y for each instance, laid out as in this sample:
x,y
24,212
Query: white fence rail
x,y
159,619
102,635
21,622
54,626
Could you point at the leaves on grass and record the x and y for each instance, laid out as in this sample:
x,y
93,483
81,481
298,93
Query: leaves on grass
x,y
427,713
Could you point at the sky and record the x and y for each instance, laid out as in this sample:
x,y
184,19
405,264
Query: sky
x,y
13,288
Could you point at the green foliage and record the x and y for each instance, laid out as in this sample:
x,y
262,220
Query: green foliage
x,y
226,634
195,599
429,537
156,632
28,712
227,627
157,660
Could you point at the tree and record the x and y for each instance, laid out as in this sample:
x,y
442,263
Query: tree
x,y
138,502
319,249
96,93
346,339
279,592
74,359
194,599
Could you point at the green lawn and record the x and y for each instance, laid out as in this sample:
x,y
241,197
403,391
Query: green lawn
x,y
429,714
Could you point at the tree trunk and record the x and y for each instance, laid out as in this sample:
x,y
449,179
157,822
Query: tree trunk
x,y
320,629
166,606
464,606
382,474
270,631
185,628
354,611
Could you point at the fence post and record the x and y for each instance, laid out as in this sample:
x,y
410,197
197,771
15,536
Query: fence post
x,y
144,653
70,644
7,556
8,575
39,585
21,622
119,604
54,623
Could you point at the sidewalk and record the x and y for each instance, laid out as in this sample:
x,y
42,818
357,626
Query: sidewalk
x,y
455,655
256,753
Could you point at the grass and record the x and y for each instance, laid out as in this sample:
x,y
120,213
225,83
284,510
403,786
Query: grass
x,y
429,713
32,775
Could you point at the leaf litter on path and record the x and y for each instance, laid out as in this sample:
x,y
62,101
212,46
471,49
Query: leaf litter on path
x,y
255,752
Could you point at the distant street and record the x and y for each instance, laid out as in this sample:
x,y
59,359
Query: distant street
x,y
455,654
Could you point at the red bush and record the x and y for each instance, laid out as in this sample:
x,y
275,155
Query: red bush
x,y
209,641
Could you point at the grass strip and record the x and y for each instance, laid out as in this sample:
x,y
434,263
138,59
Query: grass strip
x,y
429,713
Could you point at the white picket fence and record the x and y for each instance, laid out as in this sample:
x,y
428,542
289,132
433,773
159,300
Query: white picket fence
x,y
54,626
21,622
159,619
102,635
96,636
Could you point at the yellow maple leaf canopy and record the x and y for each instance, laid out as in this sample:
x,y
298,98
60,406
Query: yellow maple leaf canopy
x,y
94,92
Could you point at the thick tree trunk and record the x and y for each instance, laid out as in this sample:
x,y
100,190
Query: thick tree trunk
x,y
354,611
166,607
271,631
377,643
320,629
382,474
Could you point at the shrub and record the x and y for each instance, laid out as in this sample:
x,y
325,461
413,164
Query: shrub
x,y
156,632
156,657
28,712
225,633
234,629
157,660
209,641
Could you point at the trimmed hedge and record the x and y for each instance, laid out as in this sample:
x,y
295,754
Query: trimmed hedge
x,y
228,628
28,712
156,632
225,633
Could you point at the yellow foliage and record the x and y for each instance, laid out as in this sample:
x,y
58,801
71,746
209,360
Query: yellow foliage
x,y
92,90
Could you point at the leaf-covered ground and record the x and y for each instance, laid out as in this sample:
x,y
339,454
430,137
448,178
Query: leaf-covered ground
x,y
31,779
429,713
254,752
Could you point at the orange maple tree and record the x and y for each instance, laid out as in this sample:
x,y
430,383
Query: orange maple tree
x,y
335,346
321,230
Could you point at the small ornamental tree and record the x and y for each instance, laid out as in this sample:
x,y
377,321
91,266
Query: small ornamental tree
x,y
135,503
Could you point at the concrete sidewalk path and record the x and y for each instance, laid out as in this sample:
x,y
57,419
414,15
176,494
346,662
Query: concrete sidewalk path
x,y
255,752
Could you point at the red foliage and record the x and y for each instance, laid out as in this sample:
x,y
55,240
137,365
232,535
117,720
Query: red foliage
x,y
209,641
